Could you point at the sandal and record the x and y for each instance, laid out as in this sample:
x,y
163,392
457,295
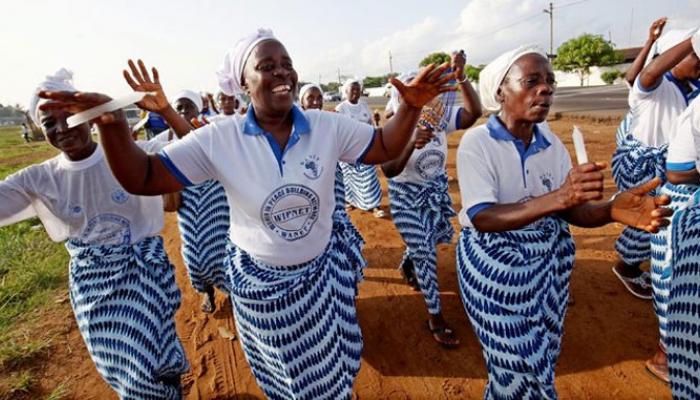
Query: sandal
x,y
639,286
208,302
658,371
378,213
444,336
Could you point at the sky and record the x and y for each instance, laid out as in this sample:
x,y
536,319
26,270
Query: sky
x,y
186,40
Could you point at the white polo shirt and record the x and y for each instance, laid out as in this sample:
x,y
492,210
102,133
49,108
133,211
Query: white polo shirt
x,y
654,110
427,163
281,202
682,151
81,200
493,167
358,112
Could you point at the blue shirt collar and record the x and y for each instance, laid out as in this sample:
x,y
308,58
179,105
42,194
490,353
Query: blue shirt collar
x,y
687,95
499,131
299,121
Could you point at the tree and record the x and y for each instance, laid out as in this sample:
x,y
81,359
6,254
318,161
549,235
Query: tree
x,y
436,58
581,53
609,77
330,87
472,72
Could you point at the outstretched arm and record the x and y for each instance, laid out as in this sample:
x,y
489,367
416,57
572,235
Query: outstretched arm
x,y
655,31
421,137
392,139
140,81
138,172
653,73
472,104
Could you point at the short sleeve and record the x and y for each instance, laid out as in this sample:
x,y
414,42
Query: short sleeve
x,y
354,138
16,198
566,165
453,121
639,93
681,148
155,144
190,159
478,186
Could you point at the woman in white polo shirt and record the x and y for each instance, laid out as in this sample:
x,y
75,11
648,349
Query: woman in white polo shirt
x,y
122,286
515,252
292,280
421,207
362,189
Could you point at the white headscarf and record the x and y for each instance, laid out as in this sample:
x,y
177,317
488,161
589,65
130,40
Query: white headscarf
x,y
395,99
61,80
347,84
308,87
491,77
230,73
191,95
670,39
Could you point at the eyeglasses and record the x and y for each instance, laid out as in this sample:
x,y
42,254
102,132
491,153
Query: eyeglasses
x,y
530,82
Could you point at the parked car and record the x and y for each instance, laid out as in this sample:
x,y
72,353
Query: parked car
x,y
332,96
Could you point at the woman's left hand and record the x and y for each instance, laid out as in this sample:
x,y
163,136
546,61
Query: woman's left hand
x,y
140,81
639,210
430,82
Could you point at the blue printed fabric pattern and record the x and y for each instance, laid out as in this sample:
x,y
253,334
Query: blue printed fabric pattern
x,y
353,239
362,188
203,218
683,340
124,299
421,213
662,254
633,164
515,288
298,324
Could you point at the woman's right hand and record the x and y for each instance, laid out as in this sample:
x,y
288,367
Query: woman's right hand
x,y
430,82
583,184
421,137
656,28
75,102
140,80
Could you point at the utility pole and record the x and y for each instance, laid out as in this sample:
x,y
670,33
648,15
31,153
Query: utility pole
x,y
551,28
319,79
339,82
391,64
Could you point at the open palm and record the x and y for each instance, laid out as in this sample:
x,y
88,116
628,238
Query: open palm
x,y
430,82
140,81
637,209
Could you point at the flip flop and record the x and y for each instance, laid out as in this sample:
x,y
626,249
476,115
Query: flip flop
x,y
658,371
451,343
632,284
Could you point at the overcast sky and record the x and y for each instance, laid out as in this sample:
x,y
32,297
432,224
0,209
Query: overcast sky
x,y
186,40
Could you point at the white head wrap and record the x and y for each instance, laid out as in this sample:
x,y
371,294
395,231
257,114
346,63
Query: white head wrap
x,y
395,99
230,73
306,88
62,80
491,77
191,95
670,39
347,84
696,43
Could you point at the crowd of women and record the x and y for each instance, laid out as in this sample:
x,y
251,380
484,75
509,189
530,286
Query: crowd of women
x,y
261,197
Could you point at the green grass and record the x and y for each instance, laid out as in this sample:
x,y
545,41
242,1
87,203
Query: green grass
x,y
60,392
33,270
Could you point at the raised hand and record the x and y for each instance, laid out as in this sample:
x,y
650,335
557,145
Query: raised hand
x,y
459,60
639,210
75,102
140,81
430,82
583,184
656,28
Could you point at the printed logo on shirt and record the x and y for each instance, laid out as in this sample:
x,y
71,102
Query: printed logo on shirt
x,y
119,196
430,163
107,229
313,169
291,211
547,181
75,210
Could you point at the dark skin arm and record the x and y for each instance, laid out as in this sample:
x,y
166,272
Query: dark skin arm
x,y
690,177
140,81
655,31
144,174
472,105
652,74
573,202
421,137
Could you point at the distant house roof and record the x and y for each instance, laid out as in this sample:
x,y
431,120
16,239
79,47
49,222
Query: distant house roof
x,y
630,53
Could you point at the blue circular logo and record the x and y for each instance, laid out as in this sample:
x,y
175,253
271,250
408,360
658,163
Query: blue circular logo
x,y
291,211
119,196
430,163
107,229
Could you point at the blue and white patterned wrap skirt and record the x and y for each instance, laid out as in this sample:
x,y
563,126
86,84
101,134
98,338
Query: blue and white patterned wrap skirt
x,y
633,164
662,254
421,213
124,299
298,324
683,337
351,236
362,188
203,219
515,288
